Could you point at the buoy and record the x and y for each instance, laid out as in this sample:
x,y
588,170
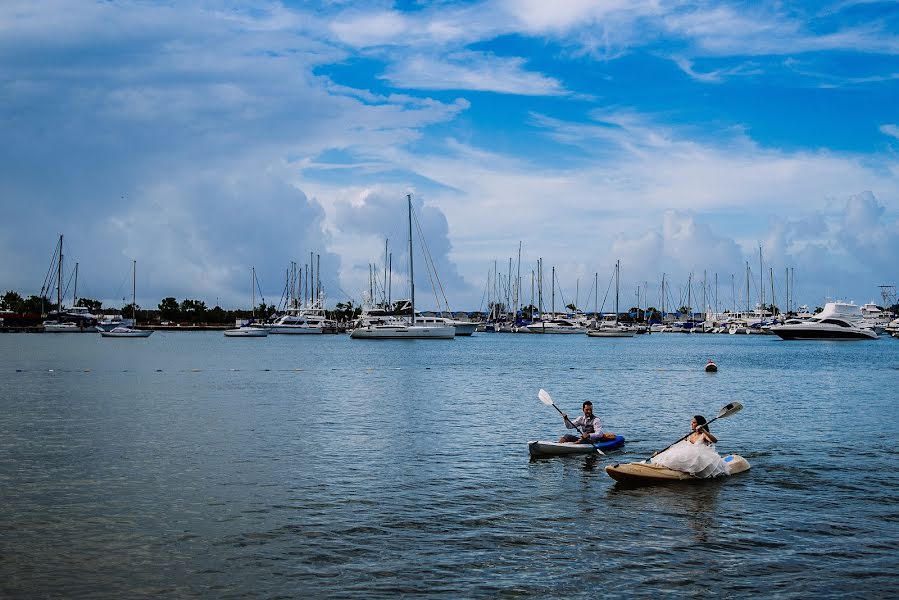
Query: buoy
x,y
711,367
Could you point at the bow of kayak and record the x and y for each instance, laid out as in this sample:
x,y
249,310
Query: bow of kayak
x,y
644,473
541,449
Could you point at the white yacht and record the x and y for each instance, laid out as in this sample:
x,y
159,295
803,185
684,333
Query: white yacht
x,y
610,327
463,328
247,331
557,325
395,328
302,321
838,321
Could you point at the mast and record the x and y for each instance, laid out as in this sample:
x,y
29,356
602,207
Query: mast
x,y
134,292
59,278
253,291
386,242
554,292
75,289
748,307
761,283
518,283
411,271
617,267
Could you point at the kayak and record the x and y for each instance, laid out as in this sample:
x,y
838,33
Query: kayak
x,y
644,473
540,449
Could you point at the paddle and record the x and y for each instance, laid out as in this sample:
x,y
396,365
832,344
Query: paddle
x,y
726,411
546,399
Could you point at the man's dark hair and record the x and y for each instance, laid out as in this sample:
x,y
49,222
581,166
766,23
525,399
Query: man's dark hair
x,y
586,403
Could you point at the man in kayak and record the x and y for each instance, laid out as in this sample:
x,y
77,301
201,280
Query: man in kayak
x,y
589,426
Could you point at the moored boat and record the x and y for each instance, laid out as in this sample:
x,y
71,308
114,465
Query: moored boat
x,y
126,332
646,473
539,449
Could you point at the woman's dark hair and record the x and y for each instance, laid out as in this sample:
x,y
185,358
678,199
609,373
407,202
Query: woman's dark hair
x,y
701,422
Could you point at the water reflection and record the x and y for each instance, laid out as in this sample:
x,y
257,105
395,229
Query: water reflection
x,y
695,502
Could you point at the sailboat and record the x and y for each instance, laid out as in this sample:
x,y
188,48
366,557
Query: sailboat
x,y
616,329
395,328
128,332
248,330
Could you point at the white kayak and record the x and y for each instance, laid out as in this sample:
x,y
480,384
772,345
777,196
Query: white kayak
x,y
645,473
541,449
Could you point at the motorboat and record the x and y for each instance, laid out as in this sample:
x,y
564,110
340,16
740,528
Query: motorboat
x,y
247,331
302,321
397,329
126,332
77,319
557,325
463,328
619,331
838,321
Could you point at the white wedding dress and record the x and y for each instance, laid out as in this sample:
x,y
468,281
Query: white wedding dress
x,y
699,459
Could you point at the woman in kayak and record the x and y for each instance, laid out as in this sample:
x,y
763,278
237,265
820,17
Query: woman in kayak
x,y
696,454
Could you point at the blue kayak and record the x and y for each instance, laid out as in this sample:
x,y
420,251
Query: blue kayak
x,y
541,449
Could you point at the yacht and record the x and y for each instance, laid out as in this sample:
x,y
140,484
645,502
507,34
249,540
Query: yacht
x,y
838,321
557,325
609,326
76,319
392,327
302,321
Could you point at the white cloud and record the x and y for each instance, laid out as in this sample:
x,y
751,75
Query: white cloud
x,y
472,71
890,129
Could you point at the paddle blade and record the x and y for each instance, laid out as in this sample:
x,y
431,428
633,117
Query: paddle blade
x,y
545,398
731,409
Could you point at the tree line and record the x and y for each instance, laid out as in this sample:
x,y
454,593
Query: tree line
x,y
187,311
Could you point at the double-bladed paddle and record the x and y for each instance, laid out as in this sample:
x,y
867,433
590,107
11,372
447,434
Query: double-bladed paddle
x,y
726,411
546,399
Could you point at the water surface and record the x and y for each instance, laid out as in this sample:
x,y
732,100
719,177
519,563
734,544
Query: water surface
x,y
194,465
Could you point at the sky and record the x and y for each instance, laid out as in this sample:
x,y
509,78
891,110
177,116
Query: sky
x,y
205,139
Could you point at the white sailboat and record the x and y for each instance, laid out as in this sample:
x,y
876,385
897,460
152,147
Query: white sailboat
x,y
613,329
128,332
248,330
398,329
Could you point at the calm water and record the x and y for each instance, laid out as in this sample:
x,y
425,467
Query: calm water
x,y
194,465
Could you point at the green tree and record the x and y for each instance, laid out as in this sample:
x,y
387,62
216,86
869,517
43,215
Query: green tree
x,y
169,309
93,306
193,310
219,316
11,301
572,307
36,304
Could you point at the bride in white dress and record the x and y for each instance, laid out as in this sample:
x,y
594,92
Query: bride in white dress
x,y
696,454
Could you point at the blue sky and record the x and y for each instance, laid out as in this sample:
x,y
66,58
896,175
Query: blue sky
x,y
206,138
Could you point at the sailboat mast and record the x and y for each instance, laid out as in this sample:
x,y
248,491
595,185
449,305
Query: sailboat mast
x,y
554,292
253,291
59,278
411,270
134,292
617,266
75,289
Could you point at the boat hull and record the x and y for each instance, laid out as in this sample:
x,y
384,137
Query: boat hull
x,y
541,449
610,334
246,332
126,334
391,332
788,332
287,330
642,473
